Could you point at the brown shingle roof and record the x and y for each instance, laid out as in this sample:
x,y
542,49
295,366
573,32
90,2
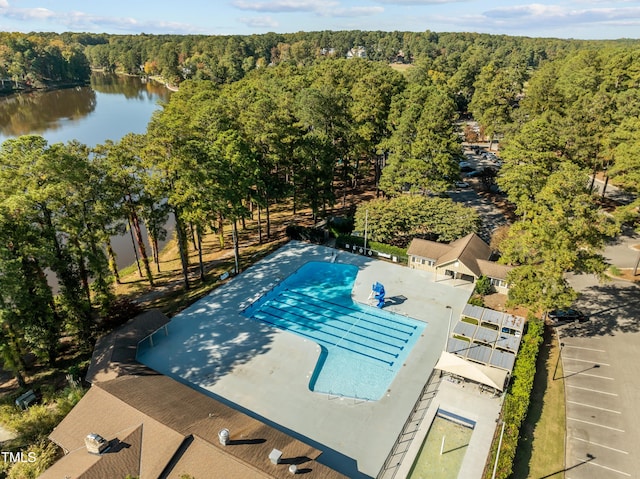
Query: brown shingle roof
x,y
173,418
493,269
427,249
202,460
468,250
103,413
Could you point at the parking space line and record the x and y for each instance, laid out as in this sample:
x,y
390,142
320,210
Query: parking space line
x,y
586,361
586,349
594,407
607,468
599,445
587,374
592,390
595,424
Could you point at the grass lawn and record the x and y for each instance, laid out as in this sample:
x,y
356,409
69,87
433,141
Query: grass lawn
x,y
540,451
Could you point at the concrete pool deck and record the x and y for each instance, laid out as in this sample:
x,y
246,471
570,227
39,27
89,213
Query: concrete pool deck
x,y
266,371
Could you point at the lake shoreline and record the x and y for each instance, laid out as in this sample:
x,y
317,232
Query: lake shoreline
x,y
5,92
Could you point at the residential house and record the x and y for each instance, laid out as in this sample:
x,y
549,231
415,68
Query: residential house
x,y
357,52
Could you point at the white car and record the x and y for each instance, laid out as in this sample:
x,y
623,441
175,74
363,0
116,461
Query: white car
x,y
461,184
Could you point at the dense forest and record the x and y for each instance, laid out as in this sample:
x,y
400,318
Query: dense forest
x,y
40,60
268,118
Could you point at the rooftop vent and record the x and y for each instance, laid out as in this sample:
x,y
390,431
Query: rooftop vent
x,y
223,436
293,469
275,456
96,444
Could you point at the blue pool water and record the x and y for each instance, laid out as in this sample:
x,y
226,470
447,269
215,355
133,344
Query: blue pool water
x,y
362,347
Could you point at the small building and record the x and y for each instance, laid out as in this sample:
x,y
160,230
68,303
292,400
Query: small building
x,y
357,52
466,258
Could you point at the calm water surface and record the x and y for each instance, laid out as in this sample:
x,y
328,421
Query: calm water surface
x,y
108,109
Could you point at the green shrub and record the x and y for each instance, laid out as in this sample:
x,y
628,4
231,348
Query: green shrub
x,y
476,301
340,226
343,240
37,422
45,454
483,286
388,249
516,403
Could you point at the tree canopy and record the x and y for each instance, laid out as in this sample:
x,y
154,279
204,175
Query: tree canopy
x,y
398,220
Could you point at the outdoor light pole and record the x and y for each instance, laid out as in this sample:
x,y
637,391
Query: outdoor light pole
x,y
366,227
446,341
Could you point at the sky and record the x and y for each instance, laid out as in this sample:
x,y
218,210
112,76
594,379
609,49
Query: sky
x,y
585,19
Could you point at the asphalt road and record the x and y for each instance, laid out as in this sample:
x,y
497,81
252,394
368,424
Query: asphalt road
x,y
601,364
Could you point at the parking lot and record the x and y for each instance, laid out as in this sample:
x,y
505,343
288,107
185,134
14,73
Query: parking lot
x,y
600,360
491,215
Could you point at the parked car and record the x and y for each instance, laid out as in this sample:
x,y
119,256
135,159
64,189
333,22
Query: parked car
x,y
464,164
461,184
558,315
466,168
474,174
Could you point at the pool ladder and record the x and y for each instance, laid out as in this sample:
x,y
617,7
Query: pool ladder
x,y
356,400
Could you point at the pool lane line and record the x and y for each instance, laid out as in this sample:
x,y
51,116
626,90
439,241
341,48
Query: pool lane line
x,y
373,313
314,312
284,328
409,329
312,326
311,322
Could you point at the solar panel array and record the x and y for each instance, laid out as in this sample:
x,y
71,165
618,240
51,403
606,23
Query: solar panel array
x,y
493,341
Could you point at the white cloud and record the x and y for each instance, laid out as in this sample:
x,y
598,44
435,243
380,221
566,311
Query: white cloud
x,y
353,12
87,22
282,6
319,7
259,22
536,17
419,2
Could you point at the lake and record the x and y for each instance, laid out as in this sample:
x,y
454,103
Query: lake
x,y
108,109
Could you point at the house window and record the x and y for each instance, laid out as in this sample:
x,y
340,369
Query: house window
x,y
498,283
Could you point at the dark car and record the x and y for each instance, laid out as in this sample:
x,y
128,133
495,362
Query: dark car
x,y
567,315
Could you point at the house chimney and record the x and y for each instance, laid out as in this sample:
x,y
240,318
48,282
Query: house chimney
x,y
95,443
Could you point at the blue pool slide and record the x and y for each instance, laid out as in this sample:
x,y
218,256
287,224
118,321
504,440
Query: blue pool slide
x,y
378,290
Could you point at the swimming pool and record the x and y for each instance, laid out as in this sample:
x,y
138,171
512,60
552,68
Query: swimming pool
x,y
362,347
